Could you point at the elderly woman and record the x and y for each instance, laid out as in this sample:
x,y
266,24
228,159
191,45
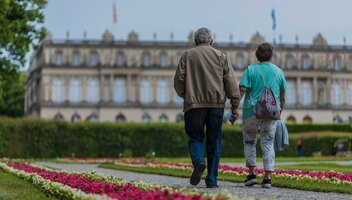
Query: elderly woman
x,y
255,78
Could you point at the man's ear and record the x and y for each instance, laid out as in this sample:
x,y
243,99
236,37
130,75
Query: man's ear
x,y
211,42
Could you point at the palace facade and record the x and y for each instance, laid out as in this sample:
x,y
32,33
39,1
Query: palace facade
x,y
132,80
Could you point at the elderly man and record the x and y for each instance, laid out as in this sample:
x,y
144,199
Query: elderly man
x,y
204,78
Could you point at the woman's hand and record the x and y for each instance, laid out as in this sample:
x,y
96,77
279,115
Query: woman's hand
x,y
234,116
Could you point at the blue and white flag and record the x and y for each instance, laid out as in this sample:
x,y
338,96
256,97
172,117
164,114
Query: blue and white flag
x,y
273,18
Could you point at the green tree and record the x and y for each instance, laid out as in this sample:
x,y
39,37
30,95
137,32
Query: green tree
x,y
20,30
12,96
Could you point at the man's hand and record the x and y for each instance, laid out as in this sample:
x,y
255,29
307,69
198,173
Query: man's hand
x,y
234,116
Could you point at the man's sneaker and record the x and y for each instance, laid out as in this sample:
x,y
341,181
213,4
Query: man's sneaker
x,y
266,183
251,180
213,186
197,173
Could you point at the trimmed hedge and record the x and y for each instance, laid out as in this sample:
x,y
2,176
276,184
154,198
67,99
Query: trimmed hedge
x,y
30,138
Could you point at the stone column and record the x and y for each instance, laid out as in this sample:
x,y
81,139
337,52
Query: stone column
x,y
298,91
315,91
129,88
154,89
67,81
345,93
328,91
111,88
171,90
85,88
101,87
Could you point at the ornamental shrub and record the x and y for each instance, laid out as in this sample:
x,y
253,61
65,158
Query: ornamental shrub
x,y
34,138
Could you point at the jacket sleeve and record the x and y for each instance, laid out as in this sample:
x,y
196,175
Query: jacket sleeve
x,y
180,76
230,84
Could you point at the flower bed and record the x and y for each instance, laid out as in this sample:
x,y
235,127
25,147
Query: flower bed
x,y
323,176
95,186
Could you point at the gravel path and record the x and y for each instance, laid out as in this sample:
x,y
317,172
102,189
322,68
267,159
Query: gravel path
x,y
237,189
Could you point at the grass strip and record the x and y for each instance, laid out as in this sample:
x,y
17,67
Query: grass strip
x,y
277,181
259,159
12,187
319,167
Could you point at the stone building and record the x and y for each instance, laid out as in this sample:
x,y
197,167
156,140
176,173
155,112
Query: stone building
x,y
132,80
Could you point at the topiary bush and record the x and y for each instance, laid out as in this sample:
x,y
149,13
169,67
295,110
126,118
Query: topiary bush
x,y
34,138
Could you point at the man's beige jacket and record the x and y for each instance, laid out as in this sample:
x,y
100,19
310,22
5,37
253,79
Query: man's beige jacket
x,y
204,79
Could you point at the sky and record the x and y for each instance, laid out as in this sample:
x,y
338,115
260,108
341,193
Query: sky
x,y
241,18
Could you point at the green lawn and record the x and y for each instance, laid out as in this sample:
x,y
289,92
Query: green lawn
x,y
277,181
12,187
278,159
319,167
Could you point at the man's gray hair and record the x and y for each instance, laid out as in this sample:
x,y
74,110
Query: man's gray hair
x,y
203,35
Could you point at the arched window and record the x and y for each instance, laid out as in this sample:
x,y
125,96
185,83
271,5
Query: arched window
x,y
59,117
305,62
145,96
180,117
146,118
350,64
163,92
93,91
146,59
350,94
337,119
163,60
337,63
307,119
58,91
120,118
75,91
59,58
163,118
336,94
291,119
275,60
120,59
289,61
93,58
75,117
178,57
76,58
92,118
291,93
178,100
120,91
306,93
239,61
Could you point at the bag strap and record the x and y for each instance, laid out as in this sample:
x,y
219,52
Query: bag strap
x,y
261,75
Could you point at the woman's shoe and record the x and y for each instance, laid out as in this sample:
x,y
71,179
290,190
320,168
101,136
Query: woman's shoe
x,y
266,182
251,180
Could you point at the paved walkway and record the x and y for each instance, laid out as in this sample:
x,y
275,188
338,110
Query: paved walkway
x,y
237,189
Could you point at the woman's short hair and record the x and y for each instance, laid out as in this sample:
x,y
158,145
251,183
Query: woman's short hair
x,y
264,52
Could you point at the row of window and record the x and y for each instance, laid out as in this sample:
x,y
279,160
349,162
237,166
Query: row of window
x,y
120,59
238,62
119,91
307,64
119,118
306,94
308,119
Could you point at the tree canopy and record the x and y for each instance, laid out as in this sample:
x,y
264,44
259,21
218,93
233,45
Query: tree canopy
x,y
20,30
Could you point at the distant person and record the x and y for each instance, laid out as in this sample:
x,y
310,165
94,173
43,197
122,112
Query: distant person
x,y
204,79
255,78
299,146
